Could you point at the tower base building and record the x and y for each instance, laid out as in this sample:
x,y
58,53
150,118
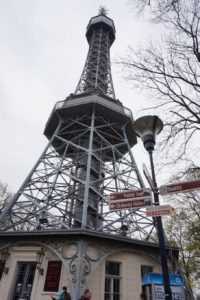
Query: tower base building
x,y
110,266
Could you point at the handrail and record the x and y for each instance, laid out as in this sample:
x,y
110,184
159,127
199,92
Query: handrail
x,y
73,102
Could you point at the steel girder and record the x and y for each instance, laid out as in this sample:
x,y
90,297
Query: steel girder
x,y
87,158
96,75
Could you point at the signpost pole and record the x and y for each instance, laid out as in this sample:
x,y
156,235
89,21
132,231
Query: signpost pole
x,y
166,282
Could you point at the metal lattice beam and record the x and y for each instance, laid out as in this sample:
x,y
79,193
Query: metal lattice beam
x,y
96,75
71,182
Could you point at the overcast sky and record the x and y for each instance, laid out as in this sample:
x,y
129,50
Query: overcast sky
x,y
42,51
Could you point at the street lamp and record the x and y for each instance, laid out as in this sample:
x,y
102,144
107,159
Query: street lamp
x,y
4,254
39,258
147,128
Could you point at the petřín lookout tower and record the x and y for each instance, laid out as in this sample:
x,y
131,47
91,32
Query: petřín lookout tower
x,y
88,156
63,204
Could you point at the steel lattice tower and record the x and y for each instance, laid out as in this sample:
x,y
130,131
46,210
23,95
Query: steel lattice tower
x,y
88,156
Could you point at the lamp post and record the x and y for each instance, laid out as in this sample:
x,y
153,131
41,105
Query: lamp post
x,y
39,258
4,254
147,128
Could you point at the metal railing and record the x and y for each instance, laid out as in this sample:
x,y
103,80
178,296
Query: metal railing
x,y
95,99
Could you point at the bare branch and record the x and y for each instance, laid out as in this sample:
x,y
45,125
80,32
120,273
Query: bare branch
x,y
170,71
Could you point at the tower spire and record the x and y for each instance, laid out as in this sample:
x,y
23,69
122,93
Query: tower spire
x,y
96,76
103,11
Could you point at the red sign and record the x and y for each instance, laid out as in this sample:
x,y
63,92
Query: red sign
x,y
130,199
160,210
114,206
180,187
53,276
130,195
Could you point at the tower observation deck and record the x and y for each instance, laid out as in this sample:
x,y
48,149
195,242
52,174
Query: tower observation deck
x,y
88,156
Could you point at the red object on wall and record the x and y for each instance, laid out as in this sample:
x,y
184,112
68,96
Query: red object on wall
x,y
53,276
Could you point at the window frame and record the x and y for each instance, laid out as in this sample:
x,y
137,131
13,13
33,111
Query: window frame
x,y
112,294
142,269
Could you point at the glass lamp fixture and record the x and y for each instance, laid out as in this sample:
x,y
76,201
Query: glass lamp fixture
x,y
39,258
4,254
40,255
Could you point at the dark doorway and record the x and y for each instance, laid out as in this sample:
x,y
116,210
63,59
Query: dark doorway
x,y
24,280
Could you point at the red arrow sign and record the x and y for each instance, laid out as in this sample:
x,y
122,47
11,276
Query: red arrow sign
x,y
160,210
114,206
130,199
131,195
180,187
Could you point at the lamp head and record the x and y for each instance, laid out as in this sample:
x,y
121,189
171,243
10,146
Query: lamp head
x,y
4,254
147,128
39,256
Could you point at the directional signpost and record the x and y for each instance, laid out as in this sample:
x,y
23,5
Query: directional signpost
x,y
130,199
160,210
180,187
143,197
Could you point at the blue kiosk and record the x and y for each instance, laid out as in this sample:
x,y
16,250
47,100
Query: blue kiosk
x,y
152,286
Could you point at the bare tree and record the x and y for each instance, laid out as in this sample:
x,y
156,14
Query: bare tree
x,y
5,196
179,234
170,71
158,8
183,228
